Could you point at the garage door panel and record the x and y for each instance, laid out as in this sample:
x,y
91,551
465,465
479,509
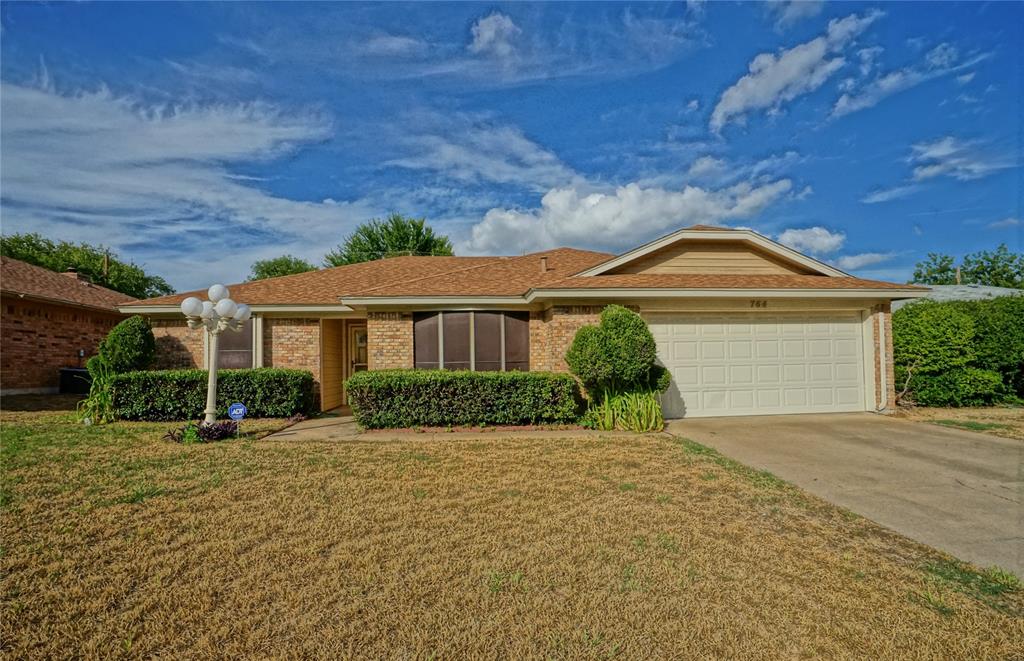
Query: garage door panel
x,y
684,350
741,350
744,364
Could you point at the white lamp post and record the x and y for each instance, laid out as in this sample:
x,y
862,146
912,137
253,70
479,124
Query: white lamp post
x,y
215,315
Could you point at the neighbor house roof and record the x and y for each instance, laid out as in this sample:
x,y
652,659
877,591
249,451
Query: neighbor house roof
x,y
963,293
26,280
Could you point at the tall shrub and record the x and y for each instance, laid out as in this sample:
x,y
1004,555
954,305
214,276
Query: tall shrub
x,y
999,338
615,361
129,346
959,353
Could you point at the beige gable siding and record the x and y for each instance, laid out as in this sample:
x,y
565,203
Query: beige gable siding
x,y
696,257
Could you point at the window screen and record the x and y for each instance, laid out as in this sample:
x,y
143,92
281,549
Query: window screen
x,y
487,341
517,341
455,340
425,340
234,350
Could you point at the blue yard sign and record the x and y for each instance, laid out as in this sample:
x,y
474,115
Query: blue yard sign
x,y
237,411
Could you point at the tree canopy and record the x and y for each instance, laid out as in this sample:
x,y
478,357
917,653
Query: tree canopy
x,y
276,266
397,235
993,268
99,264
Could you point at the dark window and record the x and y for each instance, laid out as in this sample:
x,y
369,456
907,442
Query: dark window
x,y
455,333
234,350
499,340
487,341
517,341
425,341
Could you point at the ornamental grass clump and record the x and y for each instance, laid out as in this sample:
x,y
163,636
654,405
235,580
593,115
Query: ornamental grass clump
x,y
615,361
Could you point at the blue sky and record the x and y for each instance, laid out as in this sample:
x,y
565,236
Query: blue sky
x,y
197,138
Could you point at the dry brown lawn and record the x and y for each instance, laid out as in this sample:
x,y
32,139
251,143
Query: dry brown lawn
x,y
116,543
1005,421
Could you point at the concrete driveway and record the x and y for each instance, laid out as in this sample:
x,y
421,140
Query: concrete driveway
x,y
958,491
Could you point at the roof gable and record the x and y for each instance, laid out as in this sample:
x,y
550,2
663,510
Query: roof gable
x,y
703,249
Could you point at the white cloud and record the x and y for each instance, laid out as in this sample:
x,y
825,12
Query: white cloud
x,y
494,35
777,78
887,194
693,105
813,240
101,168
1005,223
470,149
854,262
952,157
788,12
613,220
868,57
940,61
706,165
389,45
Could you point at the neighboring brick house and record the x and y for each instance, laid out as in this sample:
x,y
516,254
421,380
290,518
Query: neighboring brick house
x,y
745,325
48,321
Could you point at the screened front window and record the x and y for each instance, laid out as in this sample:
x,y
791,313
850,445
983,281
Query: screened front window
x,y
481,341
235,349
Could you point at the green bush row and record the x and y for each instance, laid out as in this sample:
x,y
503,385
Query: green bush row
x,y
181,394
960,353
439,398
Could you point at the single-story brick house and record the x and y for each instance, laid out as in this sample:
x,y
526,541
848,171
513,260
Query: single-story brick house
x,y
49,320
747,326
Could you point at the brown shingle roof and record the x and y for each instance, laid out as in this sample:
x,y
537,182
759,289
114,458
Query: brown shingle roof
x,y
24,279
408,276
722,281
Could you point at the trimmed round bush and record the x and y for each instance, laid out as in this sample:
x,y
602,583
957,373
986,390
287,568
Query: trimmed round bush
x,y
616,355
129,346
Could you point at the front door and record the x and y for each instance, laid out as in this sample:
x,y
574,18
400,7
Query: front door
x,y
357,349
357,352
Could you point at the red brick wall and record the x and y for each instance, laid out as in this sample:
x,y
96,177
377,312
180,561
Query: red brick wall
x,y
37,339
177,345
552,332
389,340
881,314
293,344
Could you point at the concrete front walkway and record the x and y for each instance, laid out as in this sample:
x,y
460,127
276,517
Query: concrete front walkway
x,y
961,492
344,428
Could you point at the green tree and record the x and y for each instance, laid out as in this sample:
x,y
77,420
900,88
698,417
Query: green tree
x,y
98,263
938,269
398,235
277,266
993,268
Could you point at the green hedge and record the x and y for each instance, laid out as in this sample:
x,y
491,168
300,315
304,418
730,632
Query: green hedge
x,y
181,394
960,353
438,398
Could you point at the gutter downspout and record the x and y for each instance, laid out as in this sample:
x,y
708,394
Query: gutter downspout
x,y
883,398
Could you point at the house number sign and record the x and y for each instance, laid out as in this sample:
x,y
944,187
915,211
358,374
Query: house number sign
x,y
758,303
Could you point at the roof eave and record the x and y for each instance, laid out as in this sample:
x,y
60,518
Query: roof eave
x,y
660,292
59,301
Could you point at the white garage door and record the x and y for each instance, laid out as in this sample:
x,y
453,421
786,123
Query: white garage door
x,y
758,364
